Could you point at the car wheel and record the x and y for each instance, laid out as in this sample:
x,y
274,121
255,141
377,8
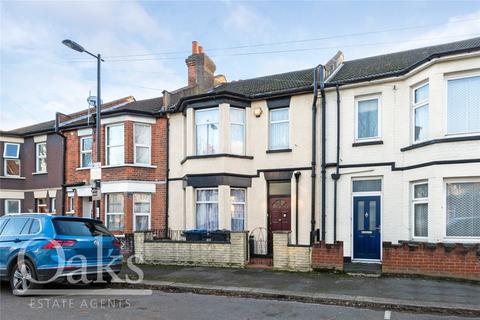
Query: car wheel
x,y
22,277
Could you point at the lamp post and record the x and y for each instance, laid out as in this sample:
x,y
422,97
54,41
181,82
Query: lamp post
x,y
75,46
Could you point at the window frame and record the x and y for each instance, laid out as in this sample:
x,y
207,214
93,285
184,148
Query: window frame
x,y
231,123
82,151
379,117
37,157
71,204
107,196
5,171
464,75
53,205
270,111
149,214
415,201
108,145
207,202
217,108
244,203
149,146
417,105
5,150
19,201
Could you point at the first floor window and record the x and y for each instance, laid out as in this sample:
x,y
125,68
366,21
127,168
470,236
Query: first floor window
x,y
207,126
12,206
115,145
53,205
279,131
141,211
86,152
368,119
463,209
114,211
41,157
11,153
12,167
237,130
207,209
41,205
142,143
420,113
463,105
420,209
238,199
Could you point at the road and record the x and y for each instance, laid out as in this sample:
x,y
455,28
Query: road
x,y
161,305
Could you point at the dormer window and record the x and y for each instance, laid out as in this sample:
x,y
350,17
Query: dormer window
x,y
207,126
11,153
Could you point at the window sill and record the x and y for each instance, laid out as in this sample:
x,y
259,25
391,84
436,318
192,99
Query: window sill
x,y
81,169
440,140
279,150
216,155
461,240
12,177
39,173
367,143
129,165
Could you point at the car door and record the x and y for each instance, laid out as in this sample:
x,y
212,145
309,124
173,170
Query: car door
x,y
12,239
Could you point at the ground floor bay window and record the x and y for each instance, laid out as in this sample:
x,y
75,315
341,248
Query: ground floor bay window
x,y
114,212
141,211
463,209
206,207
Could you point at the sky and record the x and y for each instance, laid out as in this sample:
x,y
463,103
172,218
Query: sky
x,y
145,43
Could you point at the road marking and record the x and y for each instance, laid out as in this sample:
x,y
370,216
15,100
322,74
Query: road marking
x,y
388,314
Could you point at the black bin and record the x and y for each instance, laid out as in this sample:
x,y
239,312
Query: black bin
x,y
196,235
219,235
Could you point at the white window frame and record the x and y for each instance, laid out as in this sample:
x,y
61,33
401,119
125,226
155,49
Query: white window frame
x,y
379,118
149,146
238,124
456,77
445,206
207,202
38,157
415,201
114,213
53,205
71,204
141,214
13,200
207,123
417,105
5,150
108,146
82,152
5,171
244,203
43,205
270,122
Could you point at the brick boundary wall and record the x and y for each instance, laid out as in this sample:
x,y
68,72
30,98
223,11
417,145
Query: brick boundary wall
x,y
232,254
290,257
432,259
327,256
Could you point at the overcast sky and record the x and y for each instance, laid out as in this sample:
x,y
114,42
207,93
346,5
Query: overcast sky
x,y
40,76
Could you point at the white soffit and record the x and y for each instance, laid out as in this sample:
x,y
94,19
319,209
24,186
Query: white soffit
x,y
124,118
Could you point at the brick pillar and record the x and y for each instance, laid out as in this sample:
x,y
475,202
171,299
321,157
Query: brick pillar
x,y
128,212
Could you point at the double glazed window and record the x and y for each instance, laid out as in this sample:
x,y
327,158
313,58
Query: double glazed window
x,y
115,145
141,211
114,211
207,128
368,119
41,205
420,209
142,140
11,154
41,157
463,213
207,209
279,129
463,105
12,206
237,130
420,113
238,199
86,152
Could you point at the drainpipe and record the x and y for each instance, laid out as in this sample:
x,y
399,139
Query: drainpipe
x,y
314,148
168,173
297,178
64,156
336,175
324,144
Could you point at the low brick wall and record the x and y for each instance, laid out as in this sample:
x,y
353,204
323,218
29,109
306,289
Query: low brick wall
x,y
213,254
328,256
290,257
432,259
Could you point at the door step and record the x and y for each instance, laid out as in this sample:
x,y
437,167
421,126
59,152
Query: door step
x,y
363,269
260,263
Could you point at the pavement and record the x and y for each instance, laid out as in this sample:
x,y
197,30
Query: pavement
x,y
432,296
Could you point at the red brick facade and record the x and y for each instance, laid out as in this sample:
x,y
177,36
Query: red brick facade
x,y
327,256
443,260
155,173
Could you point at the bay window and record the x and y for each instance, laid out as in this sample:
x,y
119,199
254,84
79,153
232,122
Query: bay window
x,y
420,113
11,153
142,141
141,211
41,157
279,129
463,105
207,209
12,206
367,119
420,209
238,207
86,152
237,130
207,131
463,213
114,211
115,145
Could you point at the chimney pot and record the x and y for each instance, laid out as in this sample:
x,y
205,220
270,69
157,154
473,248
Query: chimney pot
x,y
194,47
200,49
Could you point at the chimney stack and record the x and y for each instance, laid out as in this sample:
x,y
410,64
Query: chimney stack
x,y
201,69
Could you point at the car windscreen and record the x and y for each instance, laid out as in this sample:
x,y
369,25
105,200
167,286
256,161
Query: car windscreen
x,y
80,227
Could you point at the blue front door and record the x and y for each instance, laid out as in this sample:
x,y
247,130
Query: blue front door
x,y
366,227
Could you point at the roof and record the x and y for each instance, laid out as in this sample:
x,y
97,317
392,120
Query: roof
x,y
46,126
398,63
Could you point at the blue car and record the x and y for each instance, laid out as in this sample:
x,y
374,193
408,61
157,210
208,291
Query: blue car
x,y
41,248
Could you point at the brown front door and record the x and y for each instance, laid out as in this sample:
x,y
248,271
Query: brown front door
x,y
278,217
